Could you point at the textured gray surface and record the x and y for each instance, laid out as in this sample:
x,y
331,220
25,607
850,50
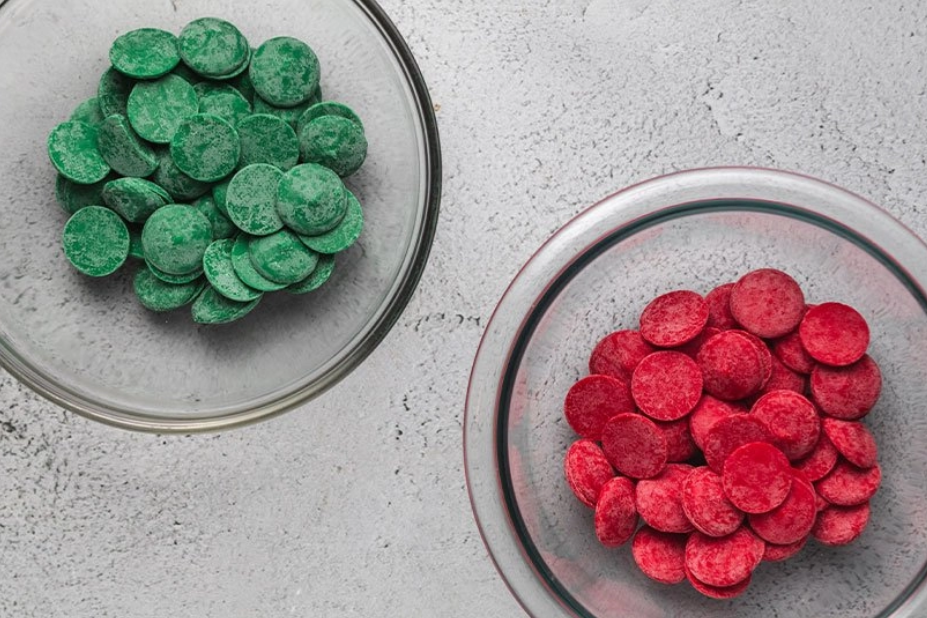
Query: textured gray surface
x,y
356,505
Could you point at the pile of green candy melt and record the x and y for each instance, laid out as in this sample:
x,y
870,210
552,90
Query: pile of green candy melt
x,y
215,164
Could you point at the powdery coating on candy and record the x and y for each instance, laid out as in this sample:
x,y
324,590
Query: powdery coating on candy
x,y
587,470
666,385
72,148
267,139
730,433
673,318
821,460
834,334
790,351
592,401
719,307
206,148
679,444
779,553
731,366
847,393
841,525
724,561
284,71
659,500
660,555
96,241
251,199
853,441
634,446
757,477
217,265
707,412
344,235
765,355
847,485
281,257
615,512
619,353
706,505
716,592
175,238
692,348
784,379
335,142
792,421
767,302
791,521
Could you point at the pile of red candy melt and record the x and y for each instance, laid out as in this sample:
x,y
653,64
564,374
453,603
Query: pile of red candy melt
x,y
729,424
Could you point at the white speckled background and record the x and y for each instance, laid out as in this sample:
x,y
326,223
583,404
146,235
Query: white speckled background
x,y
356,505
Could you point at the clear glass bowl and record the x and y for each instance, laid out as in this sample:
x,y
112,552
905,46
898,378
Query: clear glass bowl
x,y
87,344
695,230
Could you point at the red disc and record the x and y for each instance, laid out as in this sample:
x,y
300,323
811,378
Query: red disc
x,y
592,401
715,592
853,441
765,354
692,348
659,500
660,555
674,318
779,553
834,334
726,560
618,354
679,444
587,470
719,307
706,413
822,503
790,351
848,393
792,421
666,385
706,505
841,525
757,477
792,520
634,445
784,379
729,434
847,485
821,460
615,512
731,365
767,302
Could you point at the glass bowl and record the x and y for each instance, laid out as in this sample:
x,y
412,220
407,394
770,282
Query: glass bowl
x,y
87,344
695,230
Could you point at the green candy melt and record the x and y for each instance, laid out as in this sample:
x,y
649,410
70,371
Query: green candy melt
x,y
311,199
343,236
284,71
175,279
213,47
72,196
123,150
175,238
321,274
206,148
145,53
267,139
157,108
229,106
281,257
210,307
179,185
134,198
335,142
217,264
72,148
251,199
241,262
158,295
221,226
327,108
96,241
113,92
136,252
219,191
289,115
89,111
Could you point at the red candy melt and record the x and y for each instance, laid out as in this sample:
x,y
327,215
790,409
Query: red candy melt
x,y
757,477
592,401
791,521
778,553
679,443
724,561
587,470
853,441
660,555
634,445
848,393
821,460
719,307
659,500
618,354
651,379
673,319
841,525
784,379
729,434
847,485
790,351
615,512
732,367
767,302
716,592
706,505
792,421
834,334
708,411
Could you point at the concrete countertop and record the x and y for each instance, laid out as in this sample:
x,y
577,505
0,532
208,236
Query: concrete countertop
x,y
356,505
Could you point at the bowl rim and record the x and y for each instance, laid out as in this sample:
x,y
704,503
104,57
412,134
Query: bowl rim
x,y
484,441
390,311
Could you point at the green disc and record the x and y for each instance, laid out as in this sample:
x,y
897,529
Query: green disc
x,y
158,295
136,251
208,87
327,108
134,198
157,108
284,71
210,307
335,142
230,106
241,70
175,279
187,74
251,199
281,257
175,238
321,274
113,92
311,199
217,264
243,84
72,148
289,115
267,139
123,150
175,182
221,226
96,241
206,148
89,111
343,236
219,192
241,262
145,53
213,47
72,196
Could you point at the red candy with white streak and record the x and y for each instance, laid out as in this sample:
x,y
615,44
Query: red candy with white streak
x,y
730,424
